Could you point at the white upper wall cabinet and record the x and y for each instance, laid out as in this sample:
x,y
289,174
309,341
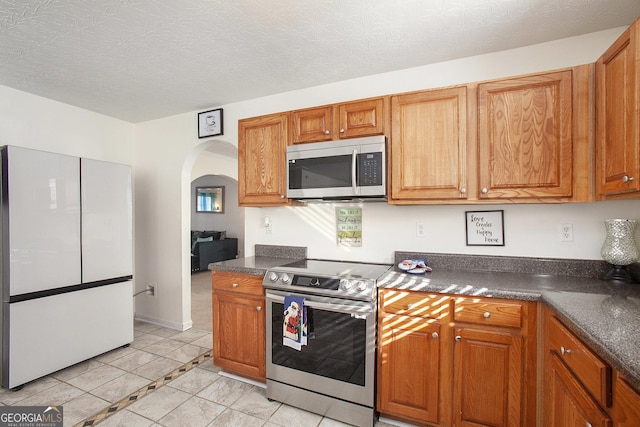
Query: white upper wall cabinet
x,y
41,192
107,235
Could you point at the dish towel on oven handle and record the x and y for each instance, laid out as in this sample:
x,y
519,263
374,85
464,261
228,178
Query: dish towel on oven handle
x,y
294,326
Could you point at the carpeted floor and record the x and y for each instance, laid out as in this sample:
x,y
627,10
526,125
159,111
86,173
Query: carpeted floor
x,y
201,301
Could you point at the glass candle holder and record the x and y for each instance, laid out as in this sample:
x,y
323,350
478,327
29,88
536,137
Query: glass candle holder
x,y
619,249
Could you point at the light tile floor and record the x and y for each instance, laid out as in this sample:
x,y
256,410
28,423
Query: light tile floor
x,y
173,382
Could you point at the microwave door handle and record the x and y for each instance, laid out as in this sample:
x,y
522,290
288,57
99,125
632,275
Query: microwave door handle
x,y
354,184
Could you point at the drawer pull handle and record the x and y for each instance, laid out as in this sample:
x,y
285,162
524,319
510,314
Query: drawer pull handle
x,y
564,350
235,285
486,314
458,338
435,335
409,306
627,178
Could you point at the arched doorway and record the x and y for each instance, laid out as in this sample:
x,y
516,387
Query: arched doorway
x,y
212,163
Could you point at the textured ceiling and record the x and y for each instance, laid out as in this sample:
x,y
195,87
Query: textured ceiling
x,y
144,59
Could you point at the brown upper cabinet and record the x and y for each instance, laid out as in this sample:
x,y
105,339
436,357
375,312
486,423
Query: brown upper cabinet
x,y
525,137
262,146
429,145
521,139
338,121
617,116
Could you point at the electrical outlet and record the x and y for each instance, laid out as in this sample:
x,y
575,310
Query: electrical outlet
x,y
420,229
151,289
268,228
566,232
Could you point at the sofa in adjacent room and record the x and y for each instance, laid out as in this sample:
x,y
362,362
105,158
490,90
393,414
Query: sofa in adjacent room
x,y
211,246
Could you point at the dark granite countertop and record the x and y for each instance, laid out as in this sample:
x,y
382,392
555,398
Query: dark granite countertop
x,y
604,315
250,265
266,257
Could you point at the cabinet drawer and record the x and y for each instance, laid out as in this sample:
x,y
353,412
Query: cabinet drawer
x,y
237,282
492,313
433,306
588,368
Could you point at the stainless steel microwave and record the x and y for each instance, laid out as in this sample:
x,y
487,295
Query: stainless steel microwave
x,y
337,170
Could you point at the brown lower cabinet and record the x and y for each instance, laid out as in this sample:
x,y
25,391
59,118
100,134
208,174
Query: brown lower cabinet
x,y
446,360
239,324
580,389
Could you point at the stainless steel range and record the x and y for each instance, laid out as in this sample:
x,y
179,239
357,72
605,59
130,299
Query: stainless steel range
x,y
321,336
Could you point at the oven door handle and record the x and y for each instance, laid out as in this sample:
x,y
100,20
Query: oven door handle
x,y
355,308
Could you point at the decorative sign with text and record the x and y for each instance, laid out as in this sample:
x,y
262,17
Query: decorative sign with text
x,y
349,226
485,228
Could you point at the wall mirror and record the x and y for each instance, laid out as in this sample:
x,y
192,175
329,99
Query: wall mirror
x,y
210,199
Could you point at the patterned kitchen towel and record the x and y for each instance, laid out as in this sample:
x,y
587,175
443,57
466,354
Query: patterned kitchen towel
x,y
293,334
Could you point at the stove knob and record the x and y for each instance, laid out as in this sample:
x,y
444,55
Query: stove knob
x,y
285,278
361,286
273,277
345,284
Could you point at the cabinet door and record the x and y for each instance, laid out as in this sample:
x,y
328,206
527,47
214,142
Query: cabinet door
x,y
312,125
239,334
525,137
428,145
488,372
626,404
409,367
617,103
262,147
361,118
567,402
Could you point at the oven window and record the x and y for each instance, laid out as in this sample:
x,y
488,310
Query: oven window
x,y
336,345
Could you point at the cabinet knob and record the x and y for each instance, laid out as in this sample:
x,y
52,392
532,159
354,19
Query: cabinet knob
x,y
486,314
588,424
341,130
564,350
458,338
259,308
282,196
326,132
235,285
484,190
409,306
435,335
463,190
627,178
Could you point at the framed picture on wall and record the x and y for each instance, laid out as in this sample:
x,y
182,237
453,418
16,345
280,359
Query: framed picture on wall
x,y
210,123
210,199
485,228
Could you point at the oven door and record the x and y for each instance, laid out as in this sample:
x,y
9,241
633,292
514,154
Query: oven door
x,y
339,358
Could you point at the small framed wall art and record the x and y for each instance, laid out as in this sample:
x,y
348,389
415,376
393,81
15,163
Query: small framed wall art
x,y
210,123
485,228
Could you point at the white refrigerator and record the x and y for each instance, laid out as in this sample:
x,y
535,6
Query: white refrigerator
x,y
66,261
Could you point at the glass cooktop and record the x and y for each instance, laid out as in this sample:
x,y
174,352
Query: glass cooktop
x,y
328,268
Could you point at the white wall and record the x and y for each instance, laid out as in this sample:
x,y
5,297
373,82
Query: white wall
x,y
34,122
166,150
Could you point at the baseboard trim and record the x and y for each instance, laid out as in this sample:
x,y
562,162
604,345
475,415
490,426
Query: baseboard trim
x,y
160,322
